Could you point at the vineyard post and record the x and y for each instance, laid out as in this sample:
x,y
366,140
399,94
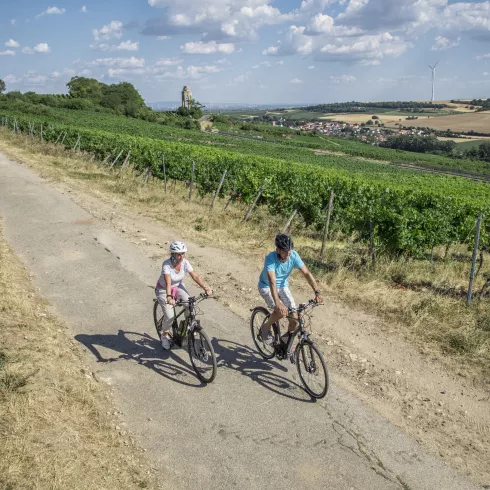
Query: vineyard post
x,y
327,223
473,261
106,159
290,220
251,207
63,139
219,188
58,138
192,179
126,160
115,160
147,174
232,195
42,139
164,174
76,143
371,243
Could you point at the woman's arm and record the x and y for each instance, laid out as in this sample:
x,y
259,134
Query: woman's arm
x,y
168,287
200,282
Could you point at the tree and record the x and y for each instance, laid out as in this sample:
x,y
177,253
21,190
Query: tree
x,y
85,88
3,87
122,97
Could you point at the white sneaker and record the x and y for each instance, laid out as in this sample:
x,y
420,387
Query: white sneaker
x,y
267,338
166,342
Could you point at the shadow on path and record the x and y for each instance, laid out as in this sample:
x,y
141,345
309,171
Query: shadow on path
x,y
246,361
143,349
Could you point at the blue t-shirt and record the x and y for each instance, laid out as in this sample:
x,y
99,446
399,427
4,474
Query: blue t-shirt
x,y
282,269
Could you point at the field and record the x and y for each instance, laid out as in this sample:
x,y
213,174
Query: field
x,y
479,122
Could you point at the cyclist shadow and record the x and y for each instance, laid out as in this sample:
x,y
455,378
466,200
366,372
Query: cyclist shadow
x,y
143,349
245,360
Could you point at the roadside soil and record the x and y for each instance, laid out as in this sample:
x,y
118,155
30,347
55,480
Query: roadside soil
x,y
430,399
59,428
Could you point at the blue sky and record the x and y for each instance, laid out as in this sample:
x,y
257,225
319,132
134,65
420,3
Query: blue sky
x,y
255,51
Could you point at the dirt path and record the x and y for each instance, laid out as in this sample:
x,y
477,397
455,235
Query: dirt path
x,y
92,264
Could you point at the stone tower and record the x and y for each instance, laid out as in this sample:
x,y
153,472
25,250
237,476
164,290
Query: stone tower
x,y
186,97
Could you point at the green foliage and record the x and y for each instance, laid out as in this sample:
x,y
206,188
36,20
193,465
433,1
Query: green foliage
x,y
3,87
85,88
411,212
371,106
419,144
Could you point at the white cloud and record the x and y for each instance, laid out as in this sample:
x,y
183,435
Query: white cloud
x,y
109,31
163,38
311,67
168,62
52,11
35,79
223,61
239,79
84,9
441,43
207,48
10,79
368,50
12,44
295,42
342,79
132,62
218,19
482,57
280,62
296,81
485,73
8,52
12,22
189,73
27,50
55,11
42,48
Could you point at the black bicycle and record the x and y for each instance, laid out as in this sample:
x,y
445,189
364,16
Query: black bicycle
x,y
309,361
201,352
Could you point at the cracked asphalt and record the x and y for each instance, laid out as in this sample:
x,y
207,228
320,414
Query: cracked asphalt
x,y
254,427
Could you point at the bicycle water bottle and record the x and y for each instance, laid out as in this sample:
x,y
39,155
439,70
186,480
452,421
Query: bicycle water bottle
x,y
182,326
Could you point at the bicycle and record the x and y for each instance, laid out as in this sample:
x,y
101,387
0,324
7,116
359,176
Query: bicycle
x,y
311,372
201,352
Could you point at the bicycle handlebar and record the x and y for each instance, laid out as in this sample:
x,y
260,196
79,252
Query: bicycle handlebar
x,y
193,299
303,306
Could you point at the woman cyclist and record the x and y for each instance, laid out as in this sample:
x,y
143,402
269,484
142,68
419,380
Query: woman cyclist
x,y
170,287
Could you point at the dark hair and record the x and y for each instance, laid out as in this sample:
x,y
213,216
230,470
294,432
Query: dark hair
x,y
284,242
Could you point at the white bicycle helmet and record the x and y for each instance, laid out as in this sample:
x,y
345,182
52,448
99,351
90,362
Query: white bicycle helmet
x,y
178,247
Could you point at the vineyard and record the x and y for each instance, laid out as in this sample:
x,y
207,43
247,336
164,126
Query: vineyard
x,y
294,147
408,212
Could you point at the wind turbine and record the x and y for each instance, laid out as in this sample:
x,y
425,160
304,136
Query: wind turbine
x,y
433,68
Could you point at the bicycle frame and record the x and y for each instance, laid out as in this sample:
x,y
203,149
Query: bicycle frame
x,y
300,330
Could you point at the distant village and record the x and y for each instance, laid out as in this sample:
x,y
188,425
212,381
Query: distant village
x,y
371,132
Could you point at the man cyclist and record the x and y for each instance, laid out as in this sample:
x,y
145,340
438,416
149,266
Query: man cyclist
x,y
274,287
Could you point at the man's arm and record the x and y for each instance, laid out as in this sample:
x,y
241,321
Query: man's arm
x,y
311,281
280,307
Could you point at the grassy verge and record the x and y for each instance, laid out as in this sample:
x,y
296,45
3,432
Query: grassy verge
x,y
422,300
57,428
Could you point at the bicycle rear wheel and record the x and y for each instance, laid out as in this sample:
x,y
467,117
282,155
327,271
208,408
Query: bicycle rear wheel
x,y
203,358
312,369
158,318
259,316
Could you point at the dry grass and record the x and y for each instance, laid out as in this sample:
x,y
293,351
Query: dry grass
x,y
422,301
56,430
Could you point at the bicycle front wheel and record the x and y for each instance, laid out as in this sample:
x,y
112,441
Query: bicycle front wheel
x,y
158,318
312,369
258,318
203,358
